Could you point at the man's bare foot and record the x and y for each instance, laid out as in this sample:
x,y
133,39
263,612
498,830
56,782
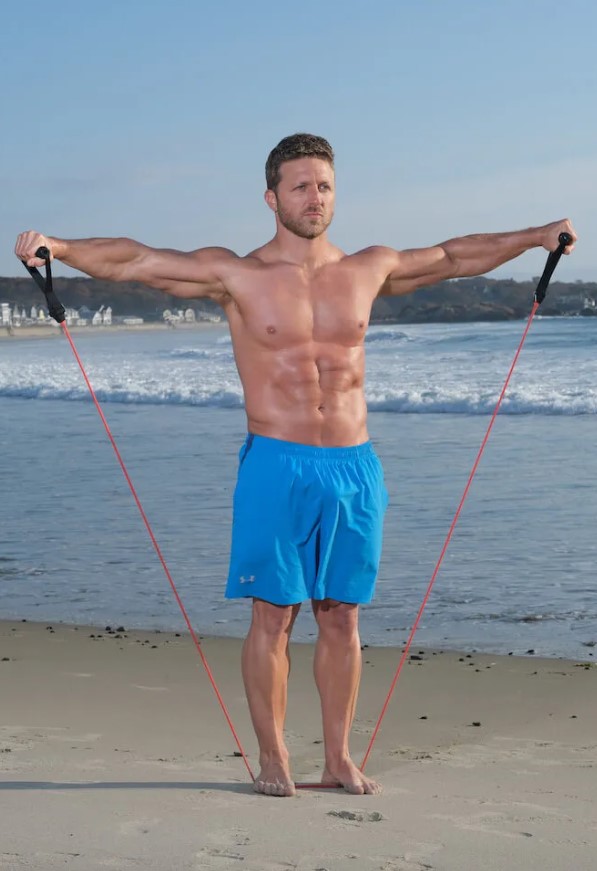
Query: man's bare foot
x,y
274,779
348,775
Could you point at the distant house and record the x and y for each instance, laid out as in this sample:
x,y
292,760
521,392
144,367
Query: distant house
x,y
71,316
173,317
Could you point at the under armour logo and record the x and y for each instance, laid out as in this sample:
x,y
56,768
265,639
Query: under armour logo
x,y
248,580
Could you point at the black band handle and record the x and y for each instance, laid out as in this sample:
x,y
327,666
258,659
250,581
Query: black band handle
x,y
55,307
564,239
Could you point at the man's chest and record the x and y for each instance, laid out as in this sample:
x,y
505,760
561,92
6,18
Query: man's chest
x,y
284,311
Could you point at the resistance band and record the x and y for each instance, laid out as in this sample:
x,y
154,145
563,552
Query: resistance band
x,y
564,239
56,310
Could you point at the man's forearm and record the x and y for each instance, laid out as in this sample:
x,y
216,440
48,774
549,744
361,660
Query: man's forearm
x,y
480,253
111,259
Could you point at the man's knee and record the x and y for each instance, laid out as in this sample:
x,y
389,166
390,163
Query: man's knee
x,y
337,618
273,620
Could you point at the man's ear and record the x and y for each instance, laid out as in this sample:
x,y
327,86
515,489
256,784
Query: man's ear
x,y
271,199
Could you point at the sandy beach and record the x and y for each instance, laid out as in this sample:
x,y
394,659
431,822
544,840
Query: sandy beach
x,y
115,754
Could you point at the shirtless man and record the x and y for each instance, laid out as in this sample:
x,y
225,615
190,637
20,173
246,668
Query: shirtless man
x,y
310,497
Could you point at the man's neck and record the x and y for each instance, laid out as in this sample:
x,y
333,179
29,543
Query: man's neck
x,y
306,253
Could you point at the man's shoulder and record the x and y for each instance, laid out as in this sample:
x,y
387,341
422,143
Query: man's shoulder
x,y
228,261
214,252
376,258
375,252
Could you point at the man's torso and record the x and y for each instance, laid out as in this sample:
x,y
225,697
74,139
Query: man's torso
x,y
298,338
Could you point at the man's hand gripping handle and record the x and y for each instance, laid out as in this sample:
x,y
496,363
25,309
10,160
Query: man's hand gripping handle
x,y
55,307
564,239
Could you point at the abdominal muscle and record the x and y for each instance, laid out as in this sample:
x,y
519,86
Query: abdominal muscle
x,y
311,394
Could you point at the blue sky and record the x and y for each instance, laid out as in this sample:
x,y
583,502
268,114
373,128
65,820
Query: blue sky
x,y
154,119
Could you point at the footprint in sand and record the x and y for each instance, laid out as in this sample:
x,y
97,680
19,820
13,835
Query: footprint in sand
x,y
405,865
293,737
486,823
358,816
264,865
139,827
363,728
230,848
212,858
218,857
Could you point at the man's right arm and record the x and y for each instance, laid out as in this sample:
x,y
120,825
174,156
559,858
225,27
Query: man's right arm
x,y
188,274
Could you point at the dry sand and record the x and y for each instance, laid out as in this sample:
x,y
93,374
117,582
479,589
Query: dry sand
x,y
114,754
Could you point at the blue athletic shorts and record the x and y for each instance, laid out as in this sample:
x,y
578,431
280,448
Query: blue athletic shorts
x,y
307,522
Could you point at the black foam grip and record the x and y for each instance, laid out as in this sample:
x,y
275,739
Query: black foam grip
x,y
552,261
55,307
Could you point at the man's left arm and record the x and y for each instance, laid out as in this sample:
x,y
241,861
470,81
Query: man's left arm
x,y
467,256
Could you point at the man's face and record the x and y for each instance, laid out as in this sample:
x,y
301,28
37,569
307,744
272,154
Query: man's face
x,y
304,199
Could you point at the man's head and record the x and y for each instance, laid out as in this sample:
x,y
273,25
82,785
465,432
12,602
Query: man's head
x,y
292,148
300,184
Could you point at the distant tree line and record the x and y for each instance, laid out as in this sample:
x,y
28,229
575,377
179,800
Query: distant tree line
x,y
465,299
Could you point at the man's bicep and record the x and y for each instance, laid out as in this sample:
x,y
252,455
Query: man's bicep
x,y
415,263
160,266
417,267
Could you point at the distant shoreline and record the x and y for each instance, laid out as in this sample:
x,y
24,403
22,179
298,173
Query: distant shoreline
x,y
53,332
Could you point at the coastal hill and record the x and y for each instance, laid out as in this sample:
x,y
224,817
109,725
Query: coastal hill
x,y
465,299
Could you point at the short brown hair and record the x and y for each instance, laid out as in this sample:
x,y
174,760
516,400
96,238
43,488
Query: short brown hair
x,y
292,148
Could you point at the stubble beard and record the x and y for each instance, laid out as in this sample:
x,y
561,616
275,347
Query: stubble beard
x,y
306,226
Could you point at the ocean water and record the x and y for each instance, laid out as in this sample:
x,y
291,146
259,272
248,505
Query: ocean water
x,y
520,572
